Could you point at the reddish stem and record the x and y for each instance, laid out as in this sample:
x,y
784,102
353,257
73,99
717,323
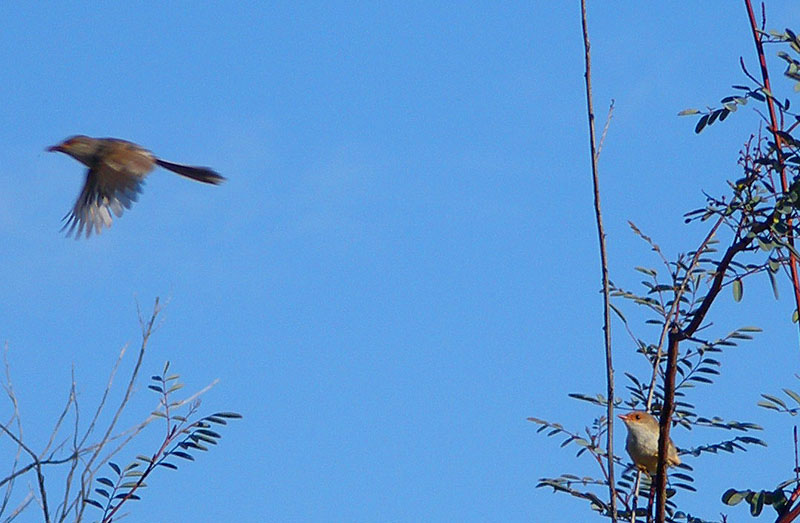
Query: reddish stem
x,y
774,128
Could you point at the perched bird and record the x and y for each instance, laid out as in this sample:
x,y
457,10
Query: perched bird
x,y
642,442
117,170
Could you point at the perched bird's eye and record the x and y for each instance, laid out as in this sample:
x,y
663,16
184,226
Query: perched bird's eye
x,y
637,416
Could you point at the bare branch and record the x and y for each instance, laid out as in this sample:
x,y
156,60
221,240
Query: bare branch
x,y
595,152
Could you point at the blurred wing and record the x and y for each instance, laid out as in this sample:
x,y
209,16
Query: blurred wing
x,y
111,187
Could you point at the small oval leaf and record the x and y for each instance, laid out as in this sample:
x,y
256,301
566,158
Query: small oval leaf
x,y
737,289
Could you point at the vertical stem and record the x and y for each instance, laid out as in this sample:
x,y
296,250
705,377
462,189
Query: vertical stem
x,y
774,128
665,421
612,494
42,492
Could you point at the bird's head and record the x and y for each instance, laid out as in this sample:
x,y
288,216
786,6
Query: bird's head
x,y
639,421
80,147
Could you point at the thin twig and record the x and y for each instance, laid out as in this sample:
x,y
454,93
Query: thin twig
x,y
9,388
594,151
59,421
147,331
796,463
22,506
42,492
37,464
605,128
61,511
103,399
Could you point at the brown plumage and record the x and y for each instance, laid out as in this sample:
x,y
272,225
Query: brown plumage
x,y
642,442
117,169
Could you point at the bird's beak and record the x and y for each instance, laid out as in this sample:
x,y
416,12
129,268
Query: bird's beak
x,y
55,149
623,417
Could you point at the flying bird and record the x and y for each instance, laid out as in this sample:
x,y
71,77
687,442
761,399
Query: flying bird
x,y
117,169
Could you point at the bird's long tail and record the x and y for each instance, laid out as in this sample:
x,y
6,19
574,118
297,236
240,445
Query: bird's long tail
x,y
201,174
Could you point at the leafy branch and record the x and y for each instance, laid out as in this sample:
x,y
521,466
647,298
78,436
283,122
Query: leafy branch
x,y
182,437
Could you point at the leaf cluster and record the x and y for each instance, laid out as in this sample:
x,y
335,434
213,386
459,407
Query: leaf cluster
x,y
758,499
183,436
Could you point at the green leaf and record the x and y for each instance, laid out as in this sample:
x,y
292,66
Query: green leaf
x,y
584,397
757,504
645,270
93,503
688,112
105,481
752,441
737,289
701,124
792,394
767,405
229,415
774,283
200,437
733,497
183,455
209,433
115,467
774,400
750,329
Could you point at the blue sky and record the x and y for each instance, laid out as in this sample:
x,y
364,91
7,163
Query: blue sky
x,y
402,265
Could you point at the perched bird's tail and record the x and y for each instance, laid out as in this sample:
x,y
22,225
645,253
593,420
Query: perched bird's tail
x,y
201,174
